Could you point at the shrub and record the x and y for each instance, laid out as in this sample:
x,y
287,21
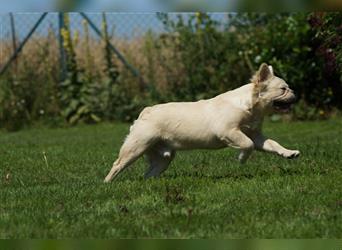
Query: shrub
x,y
203,59
78,96
291,44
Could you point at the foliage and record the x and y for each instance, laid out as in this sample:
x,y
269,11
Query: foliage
x,y
52,185
293,39
114,93
29,91
77,95
289,43
327,28
13,112
203,55
199,56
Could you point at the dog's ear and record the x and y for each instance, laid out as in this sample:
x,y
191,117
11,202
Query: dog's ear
x,y
264,73
271,69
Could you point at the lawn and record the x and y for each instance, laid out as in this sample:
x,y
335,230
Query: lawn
x,y
51,187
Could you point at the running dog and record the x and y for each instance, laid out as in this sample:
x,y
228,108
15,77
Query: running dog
x,y
232,119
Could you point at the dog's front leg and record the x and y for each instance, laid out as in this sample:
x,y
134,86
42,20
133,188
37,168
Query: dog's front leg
x,y
268,145
237,139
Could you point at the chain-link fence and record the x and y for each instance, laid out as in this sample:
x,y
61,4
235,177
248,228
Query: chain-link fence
x,y
123,28
127,33
36,39
48,57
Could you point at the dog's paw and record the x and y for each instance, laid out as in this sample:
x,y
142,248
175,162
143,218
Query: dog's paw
x,y
291,154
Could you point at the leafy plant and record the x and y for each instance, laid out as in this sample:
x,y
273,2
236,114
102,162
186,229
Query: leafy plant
x,y
201,55
114,94
77,94
13,112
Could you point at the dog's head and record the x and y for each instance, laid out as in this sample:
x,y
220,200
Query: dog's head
x,y
271,92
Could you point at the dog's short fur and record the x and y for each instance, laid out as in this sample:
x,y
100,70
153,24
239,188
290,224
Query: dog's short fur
x,y
231,119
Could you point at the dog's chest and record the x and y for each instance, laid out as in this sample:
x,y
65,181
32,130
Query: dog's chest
x,y
252,122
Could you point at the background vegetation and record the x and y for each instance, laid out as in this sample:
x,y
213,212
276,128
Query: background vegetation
x,y
197,57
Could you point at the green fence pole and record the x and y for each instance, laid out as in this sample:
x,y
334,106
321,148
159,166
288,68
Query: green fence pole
x,y
14,39
62,54
134,71
21,46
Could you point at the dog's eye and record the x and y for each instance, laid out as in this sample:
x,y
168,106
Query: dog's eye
x,y
283,88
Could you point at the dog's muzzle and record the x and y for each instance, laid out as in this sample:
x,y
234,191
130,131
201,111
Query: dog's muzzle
x,y
284,104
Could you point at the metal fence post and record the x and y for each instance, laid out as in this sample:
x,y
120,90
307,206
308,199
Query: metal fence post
x,y
14,39
21,46
133,70
62,54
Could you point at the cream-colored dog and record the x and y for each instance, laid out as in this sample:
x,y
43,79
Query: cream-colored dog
x,y
231,119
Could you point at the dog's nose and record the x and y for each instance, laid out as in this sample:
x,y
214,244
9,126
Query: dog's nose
x,y
293,97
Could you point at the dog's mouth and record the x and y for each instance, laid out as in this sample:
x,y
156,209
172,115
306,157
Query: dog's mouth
x,y
282,106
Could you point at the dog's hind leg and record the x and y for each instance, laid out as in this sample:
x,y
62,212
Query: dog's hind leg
x,y
159,160
137,142
244,155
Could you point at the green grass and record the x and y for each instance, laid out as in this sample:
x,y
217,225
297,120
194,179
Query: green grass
x,y
204,194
